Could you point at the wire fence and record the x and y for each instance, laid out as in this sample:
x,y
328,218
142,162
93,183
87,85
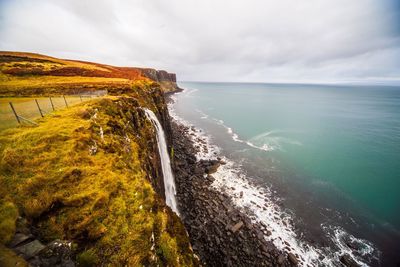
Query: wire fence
x,y
24,110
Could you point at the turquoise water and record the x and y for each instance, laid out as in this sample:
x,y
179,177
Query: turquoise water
x,y
339,145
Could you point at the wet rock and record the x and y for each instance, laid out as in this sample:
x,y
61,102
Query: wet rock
x,y
56,253
292,258
30,250
20,238
348,261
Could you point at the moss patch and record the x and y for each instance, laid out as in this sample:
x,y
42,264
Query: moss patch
x,y
9,259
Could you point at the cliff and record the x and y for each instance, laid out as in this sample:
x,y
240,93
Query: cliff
x,y
87,177
165,79
27,74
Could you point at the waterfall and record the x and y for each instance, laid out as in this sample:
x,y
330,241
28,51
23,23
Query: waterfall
x,y
169,183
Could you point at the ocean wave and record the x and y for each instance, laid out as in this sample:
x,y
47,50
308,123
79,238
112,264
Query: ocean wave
x,y
262,202
189,92
203,115
263,141
358,249
269,139
235,137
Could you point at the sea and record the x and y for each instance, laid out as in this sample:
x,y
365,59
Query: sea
x,y
319,165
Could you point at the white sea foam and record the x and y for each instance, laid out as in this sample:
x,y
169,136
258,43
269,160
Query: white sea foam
x,y
203,115
190,92
269,141
360,247
232,179
235,137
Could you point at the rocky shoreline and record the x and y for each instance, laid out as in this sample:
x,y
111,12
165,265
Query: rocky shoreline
x,y
220,233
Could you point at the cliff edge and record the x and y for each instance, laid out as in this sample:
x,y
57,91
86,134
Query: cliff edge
x,y
84,186
25,74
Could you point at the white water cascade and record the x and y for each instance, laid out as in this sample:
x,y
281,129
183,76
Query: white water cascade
x,y
169,182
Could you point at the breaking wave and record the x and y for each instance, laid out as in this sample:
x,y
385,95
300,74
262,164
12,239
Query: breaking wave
x,y
264,141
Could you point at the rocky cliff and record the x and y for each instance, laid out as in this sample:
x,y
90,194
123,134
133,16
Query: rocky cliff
x,y
165,79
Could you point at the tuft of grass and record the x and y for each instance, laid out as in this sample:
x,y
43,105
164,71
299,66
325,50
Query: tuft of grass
x,y
87,258
9,259
8,218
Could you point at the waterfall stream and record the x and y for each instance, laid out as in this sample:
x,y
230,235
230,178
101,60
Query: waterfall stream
x,y
169,182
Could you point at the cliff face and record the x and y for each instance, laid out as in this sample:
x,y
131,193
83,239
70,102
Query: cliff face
x,y
159,75
90,175
165,79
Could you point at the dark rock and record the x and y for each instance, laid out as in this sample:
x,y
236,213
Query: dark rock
x,y
213,168
348,261
198,170
20,238
56,253
210,178
292,258
30,250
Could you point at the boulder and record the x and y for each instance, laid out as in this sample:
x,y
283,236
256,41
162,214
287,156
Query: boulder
x,y
213,167
30,250
56,253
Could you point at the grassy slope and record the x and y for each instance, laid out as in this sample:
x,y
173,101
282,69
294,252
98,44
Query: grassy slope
x,y
72,183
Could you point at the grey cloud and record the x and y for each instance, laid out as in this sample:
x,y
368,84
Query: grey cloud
x,y
237,40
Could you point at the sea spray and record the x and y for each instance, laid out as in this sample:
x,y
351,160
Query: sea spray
x,y
169,182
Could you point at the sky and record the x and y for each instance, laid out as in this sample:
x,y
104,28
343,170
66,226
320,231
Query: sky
x,y
299,41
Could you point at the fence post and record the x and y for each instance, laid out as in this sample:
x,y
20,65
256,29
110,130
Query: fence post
x,y
66,104
15,113
40,110
80,97
51,102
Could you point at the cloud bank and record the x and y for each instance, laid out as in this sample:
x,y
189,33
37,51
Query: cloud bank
x,y
215,40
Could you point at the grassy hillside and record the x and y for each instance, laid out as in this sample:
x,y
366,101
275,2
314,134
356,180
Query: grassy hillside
x,y
81,175
90,173
28,74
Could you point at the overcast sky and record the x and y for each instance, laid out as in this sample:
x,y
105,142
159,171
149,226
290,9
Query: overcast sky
x,y
211,40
